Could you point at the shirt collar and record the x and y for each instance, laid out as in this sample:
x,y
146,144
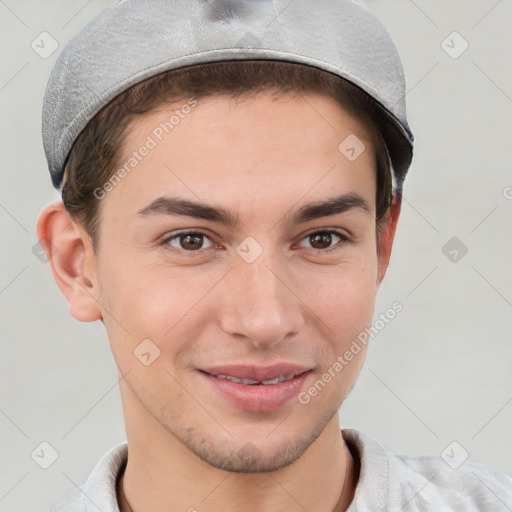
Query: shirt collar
x,y
371,491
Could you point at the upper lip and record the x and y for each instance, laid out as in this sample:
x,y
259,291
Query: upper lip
x,y
260,373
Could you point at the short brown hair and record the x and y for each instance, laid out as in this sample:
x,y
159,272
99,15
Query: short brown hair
x,y
96,152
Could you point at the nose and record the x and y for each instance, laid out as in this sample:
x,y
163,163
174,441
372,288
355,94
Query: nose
x,y
260,304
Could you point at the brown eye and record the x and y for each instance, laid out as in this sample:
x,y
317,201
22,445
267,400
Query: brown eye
x,y
324,239
192,242
189,242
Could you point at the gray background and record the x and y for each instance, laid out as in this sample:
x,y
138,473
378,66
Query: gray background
x,y
439,372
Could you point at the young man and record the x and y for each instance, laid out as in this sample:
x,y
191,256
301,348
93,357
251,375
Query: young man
x,y
231,176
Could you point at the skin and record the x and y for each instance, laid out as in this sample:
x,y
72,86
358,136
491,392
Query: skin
x,y
263,159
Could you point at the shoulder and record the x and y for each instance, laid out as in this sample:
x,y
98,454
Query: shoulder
x,y
74,502
427,482
99,491
453,484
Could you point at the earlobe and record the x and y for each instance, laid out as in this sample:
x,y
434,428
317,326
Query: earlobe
x,y
71,260
387,235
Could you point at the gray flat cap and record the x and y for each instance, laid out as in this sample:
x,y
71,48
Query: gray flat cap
x,y
136,39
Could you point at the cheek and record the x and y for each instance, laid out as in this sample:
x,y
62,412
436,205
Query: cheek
x,y
343,303
346,303
156,302
343,294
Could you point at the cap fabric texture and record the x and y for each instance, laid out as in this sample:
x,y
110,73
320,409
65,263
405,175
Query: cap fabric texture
x,y
137,39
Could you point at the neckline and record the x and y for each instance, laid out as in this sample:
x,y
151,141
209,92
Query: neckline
x,y
352,465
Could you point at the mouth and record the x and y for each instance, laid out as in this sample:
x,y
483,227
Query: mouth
x,y
257,389
255,382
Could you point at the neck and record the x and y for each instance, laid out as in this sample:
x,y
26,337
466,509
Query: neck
x,y
161,473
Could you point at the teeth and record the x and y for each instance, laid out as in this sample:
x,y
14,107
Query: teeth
x,y
252,382
238,381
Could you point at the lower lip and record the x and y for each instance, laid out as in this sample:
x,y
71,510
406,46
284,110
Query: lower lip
x,y
257,398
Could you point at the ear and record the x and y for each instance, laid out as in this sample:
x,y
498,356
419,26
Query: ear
x,y
73,263
386,237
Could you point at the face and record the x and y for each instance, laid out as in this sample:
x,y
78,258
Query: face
x,y
242,245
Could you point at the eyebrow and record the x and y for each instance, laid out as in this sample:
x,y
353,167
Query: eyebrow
x,y
310,211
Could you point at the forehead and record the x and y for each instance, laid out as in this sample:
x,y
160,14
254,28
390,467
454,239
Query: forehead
x,y
262,110
247,149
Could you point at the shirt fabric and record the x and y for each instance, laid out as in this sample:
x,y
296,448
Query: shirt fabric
x,y
387,482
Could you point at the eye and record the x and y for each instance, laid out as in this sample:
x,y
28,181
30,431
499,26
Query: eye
x,y
194,241
190,241
321,240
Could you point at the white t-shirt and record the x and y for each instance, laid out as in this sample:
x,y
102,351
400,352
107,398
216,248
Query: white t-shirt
x,y
387,482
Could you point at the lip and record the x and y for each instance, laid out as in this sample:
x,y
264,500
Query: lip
x,y
261,373
257,397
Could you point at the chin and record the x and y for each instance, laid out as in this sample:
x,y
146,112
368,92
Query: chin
x,y
270,452
246,457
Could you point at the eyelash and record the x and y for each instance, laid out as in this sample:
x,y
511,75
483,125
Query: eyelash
x,y
340,234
